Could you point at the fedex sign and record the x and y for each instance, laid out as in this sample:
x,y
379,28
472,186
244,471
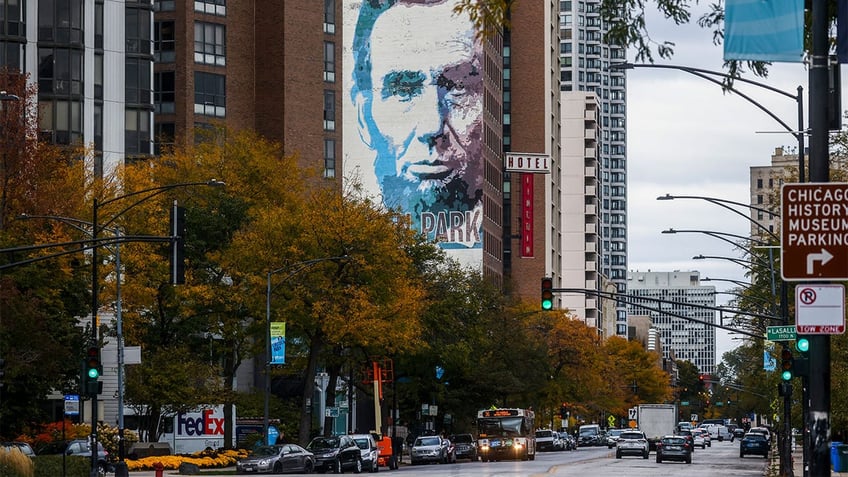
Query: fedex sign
x,y
204,423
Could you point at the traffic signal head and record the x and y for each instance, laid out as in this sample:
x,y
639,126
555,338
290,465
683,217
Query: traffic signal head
x,y
802,344
547,293
92,363
786,364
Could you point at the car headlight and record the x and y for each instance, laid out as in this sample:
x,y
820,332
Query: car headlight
x,y
264,461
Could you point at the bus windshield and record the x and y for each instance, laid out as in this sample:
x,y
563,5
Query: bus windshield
x,y
502,426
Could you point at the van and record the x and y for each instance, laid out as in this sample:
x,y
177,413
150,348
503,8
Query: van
x,y
589,435
718,431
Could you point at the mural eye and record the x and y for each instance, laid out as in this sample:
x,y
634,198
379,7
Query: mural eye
x,y
403,84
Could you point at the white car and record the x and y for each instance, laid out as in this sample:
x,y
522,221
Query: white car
x,y
698,438
368,447
632,442
708,441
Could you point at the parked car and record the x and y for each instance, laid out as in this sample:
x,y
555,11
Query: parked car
x,y
25,448
368,450
760,430
612,437
754,443
632,442
674,448
80,448
336,454
465,446
428,449
277,460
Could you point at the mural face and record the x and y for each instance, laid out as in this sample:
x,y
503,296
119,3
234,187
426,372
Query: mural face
x,y
413,123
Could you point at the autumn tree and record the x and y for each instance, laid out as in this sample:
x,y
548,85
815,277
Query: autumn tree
x,y
39,300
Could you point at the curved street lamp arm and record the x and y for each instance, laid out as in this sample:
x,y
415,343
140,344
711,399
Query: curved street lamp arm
x,y
155,191
724,203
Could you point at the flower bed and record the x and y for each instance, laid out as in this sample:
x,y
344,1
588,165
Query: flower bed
x,y
204,460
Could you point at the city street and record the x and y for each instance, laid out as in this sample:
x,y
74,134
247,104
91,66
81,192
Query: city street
x,y
720,459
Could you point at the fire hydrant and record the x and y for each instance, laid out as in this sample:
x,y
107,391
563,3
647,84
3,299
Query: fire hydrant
x,y
159,468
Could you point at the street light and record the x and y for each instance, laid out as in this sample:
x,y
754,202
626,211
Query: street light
x,y
740,283
95,232
293,269
727,205
711,76
719,235
749,264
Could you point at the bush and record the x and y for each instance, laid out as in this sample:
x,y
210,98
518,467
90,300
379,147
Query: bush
x,y
51,466
14,463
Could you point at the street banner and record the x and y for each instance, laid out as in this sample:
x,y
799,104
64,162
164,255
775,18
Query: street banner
x,y
278,342
757,30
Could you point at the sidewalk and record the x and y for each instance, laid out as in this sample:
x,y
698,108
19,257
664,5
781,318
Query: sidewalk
x,y
798,465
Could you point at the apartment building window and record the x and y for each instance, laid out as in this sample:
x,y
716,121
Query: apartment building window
x,y
137,131
759,199
329,158
212,7
330,16
210,94
210,43
60,71
329,61
164,5
164,136
98,76
164,42
163,91
329,110
138,88
137,33
11,18
60,21
62,118
98,26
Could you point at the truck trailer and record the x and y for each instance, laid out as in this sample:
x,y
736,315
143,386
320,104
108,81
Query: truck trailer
x,y
656,421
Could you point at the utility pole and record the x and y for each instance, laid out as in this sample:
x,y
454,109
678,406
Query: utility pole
x,y
817,419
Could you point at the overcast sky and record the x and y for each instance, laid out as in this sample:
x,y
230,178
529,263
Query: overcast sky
x,y
686,137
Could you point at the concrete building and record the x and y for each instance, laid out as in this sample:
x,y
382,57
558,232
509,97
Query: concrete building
x,y
580,237
585,61
92,62
673,301
765,192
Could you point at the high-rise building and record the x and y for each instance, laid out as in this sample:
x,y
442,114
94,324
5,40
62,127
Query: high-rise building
x,y
765,192
678,306
585,60
92,62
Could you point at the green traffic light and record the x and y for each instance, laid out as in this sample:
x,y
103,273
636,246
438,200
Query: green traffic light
x,y
786,375
803,345
547,304
93,373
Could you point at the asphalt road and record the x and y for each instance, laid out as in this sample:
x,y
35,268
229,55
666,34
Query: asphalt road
x,y
720,459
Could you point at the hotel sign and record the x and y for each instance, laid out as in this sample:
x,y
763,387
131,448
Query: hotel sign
x,y
533,163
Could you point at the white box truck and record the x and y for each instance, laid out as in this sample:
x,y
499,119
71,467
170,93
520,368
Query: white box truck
x,y
657,420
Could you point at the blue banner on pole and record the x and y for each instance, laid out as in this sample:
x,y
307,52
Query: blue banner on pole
x,y
278,342
764,30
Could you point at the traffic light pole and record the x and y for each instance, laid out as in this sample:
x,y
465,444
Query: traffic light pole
x,y
94,324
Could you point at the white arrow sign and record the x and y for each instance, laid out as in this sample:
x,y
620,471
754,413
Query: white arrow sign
x,y
822,257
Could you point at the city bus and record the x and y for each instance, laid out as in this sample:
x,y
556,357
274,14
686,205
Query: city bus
x,y
506,434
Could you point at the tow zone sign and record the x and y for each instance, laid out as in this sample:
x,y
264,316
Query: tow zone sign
x,y
820,309
814,231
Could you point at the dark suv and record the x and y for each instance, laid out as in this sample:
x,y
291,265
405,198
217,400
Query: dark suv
x,y
674,448
336,454
465,445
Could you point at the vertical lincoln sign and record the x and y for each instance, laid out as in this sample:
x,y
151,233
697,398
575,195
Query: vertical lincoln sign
x,y
527,165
